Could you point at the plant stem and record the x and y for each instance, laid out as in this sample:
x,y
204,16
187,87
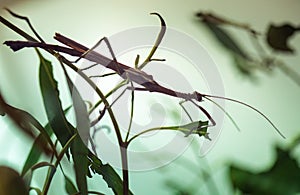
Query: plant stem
x,y
124,157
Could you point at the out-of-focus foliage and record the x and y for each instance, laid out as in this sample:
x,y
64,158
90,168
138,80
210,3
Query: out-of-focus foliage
x,y
284,175
282,178
11,183
277,36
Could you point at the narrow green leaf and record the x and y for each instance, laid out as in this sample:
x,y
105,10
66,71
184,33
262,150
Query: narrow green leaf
x,y
69,186
78,147
34,155
241,58
35,151
50,94
227,41
27,122
110,176
197,127
79,153
57,120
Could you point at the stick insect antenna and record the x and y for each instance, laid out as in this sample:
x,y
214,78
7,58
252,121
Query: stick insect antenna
x,y
249,106
225,112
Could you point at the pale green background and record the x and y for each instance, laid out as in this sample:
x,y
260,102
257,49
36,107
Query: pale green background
x,y
275,94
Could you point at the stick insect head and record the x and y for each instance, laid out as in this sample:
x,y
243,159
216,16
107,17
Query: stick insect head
x,y
197,96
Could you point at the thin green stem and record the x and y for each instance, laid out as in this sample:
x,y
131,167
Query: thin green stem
x,y
124,157
57,162
131,114
172,128
48,177
118,86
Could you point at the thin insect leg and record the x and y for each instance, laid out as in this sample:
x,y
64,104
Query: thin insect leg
x,y
101,114
121,94
185,110
89,50
103,75
91,66
105,39
28,22
206,114
94,136
137,88
93,145
213,123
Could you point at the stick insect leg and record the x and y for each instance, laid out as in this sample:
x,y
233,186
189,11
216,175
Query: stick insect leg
x,y
28,23
102,112
105,39
86,68
213,123
185,110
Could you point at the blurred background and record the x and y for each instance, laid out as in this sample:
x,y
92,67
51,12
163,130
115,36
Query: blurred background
x,y
272,92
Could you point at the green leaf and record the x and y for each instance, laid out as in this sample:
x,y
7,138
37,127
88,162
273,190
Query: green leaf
x,y
35,151
69,186
227,41
78,147
277,36
50,94
282,178
241,58
27,123
197,127
79,154
61,127
110,176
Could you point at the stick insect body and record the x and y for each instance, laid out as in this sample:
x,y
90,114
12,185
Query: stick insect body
x,y
131,74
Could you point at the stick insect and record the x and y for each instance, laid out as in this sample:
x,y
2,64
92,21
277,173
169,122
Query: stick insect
x,y
133,75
